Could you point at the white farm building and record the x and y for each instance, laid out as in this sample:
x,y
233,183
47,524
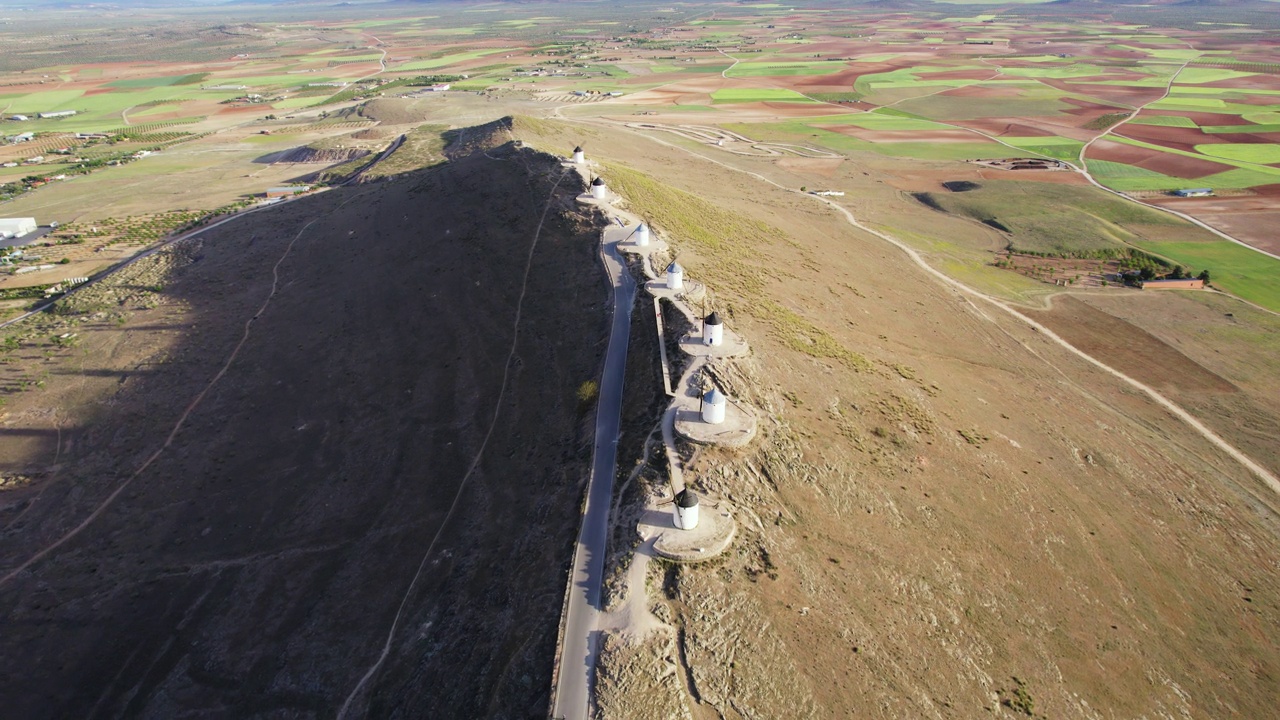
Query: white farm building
x,y
16,227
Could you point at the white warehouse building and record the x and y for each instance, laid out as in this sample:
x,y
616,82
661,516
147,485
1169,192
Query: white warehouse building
x,y
16,227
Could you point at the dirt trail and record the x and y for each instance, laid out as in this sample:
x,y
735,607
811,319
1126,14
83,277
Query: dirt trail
x,y
262,560
475,462
1262,473
182,419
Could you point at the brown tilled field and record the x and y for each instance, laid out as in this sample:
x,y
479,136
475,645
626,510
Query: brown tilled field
x,y
1155,160
224,465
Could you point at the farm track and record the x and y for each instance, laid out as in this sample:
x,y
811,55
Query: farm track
x,y
1080,166
475,462
195,402
1195,424
714,136
570,98
166,243
1083,169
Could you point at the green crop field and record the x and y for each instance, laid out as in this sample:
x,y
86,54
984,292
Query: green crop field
x,y
768,69
163,81
1165,121
289,80
1262,153
1245,164
446,60
742,95
1236,269
1054,147
875,120
797,131
1119,176
1044,102
1206,75
1193,102
1241,178
1079,70
976,150
1233,129
1053,218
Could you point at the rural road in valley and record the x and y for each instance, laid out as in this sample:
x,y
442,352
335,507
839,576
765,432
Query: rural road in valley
x,y
581,641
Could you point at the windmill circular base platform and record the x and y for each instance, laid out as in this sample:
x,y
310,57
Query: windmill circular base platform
x,y
738,428
714,534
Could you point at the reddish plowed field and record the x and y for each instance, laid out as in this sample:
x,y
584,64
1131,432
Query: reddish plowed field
x,y
1206,138
1154,160
842,80
1028,127
1009,128
935,136
1086,108
1255,82
1174,137
1118,93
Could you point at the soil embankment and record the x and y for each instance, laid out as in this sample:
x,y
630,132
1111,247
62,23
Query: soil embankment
x,y
256,565
328,156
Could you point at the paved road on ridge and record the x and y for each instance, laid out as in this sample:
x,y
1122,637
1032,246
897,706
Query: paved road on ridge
x,y
581,633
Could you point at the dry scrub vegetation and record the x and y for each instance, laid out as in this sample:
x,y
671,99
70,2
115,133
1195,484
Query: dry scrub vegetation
x,y
946,515
255,567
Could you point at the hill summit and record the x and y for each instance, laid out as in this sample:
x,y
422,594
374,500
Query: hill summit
x,y
340,424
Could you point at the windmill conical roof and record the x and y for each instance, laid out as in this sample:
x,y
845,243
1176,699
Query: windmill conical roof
x,y
674,267
714,396
714,318
686,499
578,149
598,182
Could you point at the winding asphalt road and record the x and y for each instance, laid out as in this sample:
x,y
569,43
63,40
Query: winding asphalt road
x,y
581,641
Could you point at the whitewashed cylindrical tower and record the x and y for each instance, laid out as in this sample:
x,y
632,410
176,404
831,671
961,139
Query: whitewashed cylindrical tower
x,y
675,276
578,156
642,235
686,510
597,188
713,330
714,404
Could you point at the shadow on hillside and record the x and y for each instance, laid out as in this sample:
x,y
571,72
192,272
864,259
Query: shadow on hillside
x,y
258,563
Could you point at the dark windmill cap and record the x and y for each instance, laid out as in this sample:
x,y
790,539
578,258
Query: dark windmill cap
x,y
686,499
578,149
714,318
597,182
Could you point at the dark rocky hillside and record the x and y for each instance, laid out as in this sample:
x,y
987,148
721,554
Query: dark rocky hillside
x,y
255,567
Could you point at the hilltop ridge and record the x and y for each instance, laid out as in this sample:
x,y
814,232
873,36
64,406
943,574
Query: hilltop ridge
x,y
365,362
